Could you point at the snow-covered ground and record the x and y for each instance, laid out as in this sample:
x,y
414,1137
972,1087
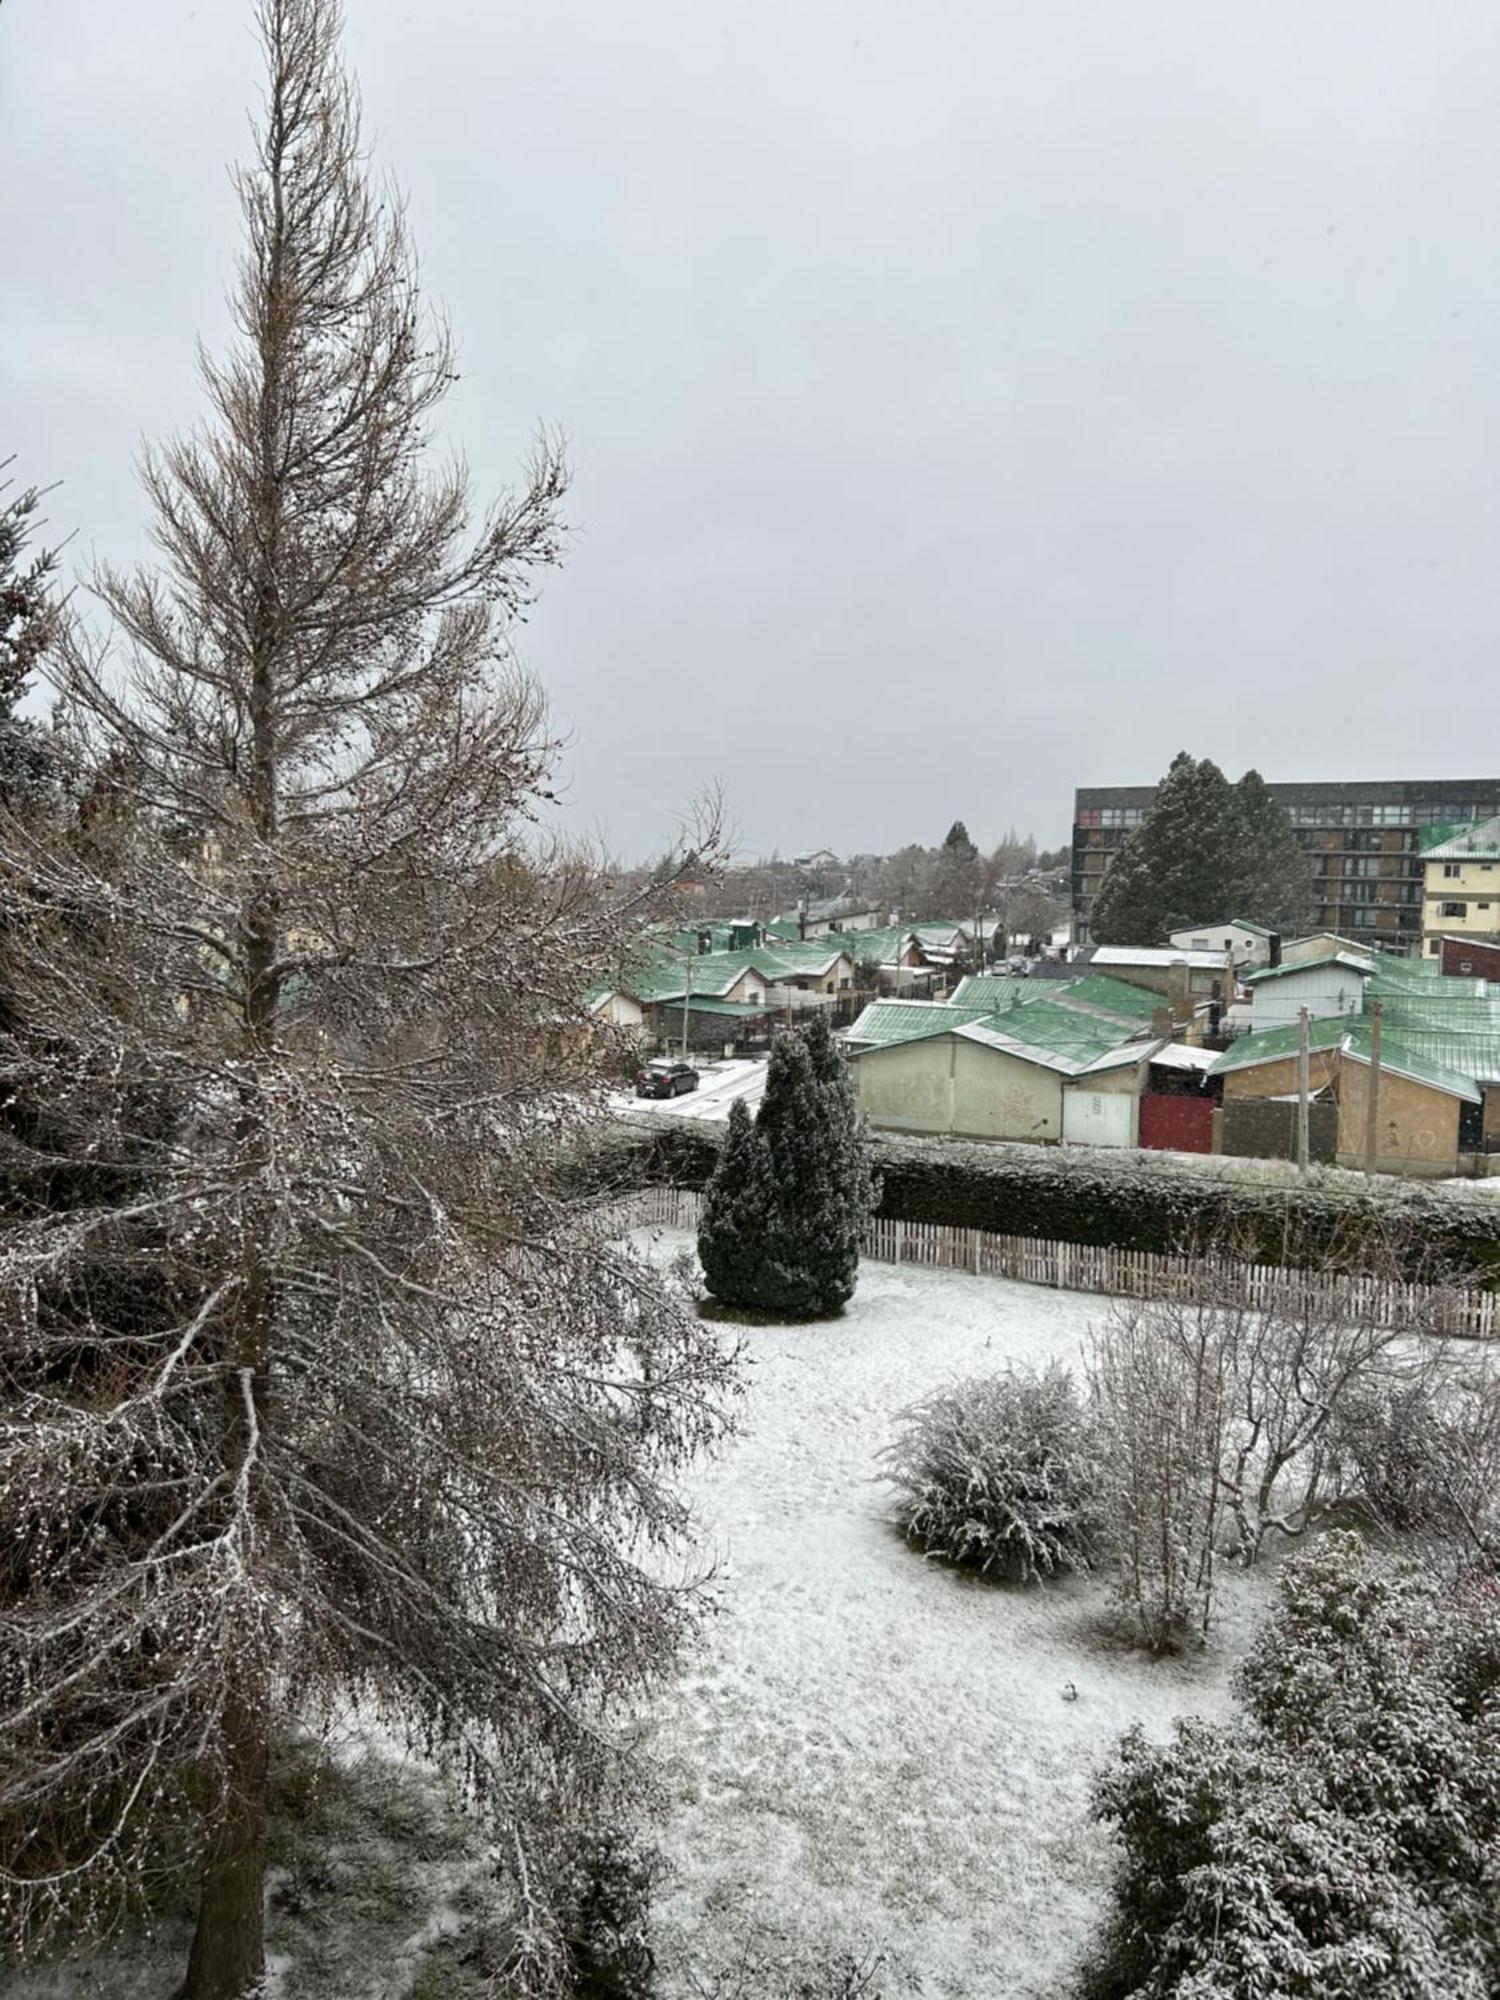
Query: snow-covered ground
x,y
721,1083
873,1751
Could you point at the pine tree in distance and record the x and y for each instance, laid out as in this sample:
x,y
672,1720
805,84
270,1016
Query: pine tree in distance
x,y
1207,851
788,1202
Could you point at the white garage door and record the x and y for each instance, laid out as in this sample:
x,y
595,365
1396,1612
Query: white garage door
x,y
1097,1117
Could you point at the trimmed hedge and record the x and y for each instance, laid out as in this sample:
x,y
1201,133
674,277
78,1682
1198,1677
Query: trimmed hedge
x,y
1137,1202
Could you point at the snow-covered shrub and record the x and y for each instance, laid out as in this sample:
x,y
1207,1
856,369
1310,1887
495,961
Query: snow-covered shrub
x,y
1001,1474
1340,1839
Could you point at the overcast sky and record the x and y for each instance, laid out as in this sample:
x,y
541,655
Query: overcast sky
x,y
969,399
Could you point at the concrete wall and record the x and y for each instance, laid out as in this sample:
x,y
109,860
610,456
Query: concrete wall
x,y
946,1084
1259,1129
1417,1126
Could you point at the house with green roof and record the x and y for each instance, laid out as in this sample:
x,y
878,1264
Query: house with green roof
x,y
1461,887
1436,1078
983,1073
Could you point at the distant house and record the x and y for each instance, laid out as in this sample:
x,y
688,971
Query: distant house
x,y
616,1008
817,857
1461,889
1168,970
1431,1116
937,1067
822,915
1246,943
1330,984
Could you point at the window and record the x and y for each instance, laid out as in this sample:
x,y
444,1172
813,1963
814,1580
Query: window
x,y
1454,910
1432,947
1464,965
1452,870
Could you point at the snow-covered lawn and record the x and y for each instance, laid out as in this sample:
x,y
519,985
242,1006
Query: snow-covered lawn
x,y
872,1750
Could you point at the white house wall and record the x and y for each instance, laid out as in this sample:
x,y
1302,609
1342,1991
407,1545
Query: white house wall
x,y
1324,990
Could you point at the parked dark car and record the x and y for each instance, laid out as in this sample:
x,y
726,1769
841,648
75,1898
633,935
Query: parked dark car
x,y
666,1079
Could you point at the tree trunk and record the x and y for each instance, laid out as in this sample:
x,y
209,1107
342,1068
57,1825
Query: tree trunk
x,y
229,1946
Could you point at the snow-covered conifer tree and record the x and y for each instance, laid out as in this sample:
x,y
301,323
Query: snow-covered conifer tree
x,y
804,1169
397,1423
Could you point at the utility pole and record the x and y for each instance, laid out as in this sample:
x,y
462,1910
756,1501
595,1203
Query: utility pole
x,y
1302,1046
686,999
1372,1102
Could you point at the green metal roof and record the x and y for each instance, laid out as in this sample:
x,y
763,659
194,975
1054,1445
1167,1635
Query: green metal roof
x,y
1480,842
875,947
1041,1031
1111,996
998,990
886,1022
1401,1059
1061,1031
1276,1044
1365,962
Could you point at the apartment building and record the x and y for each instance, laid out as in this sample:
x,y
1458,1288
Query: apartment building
x,y
1366,841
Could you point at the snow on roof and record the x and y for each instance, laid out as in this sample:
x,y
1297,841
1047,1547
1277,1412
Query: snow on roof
x,y
1277,1044
1480,842
1223,924
1178,1055
1351,962
1131,954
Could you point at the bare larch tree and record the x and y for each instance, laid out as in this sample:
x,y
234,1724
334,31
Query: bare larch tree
x,y
319,1388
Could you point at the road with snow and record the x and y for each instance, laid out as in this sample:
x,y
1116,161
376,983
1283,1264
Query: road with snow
x,y
721,1083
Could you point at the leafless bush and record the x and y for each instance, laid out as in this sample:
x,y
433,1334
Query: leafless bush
x,y
1237,1413
1156,1380
1422,1457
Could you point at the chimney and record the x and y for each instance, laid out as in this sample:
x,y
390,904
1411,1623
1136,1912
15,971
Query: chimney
x,y
1275,948
802,918
1180,991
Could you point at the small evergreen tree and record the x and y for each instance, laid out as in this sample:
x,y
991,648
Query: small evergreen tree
x,y
957,877
736,1211
790,1197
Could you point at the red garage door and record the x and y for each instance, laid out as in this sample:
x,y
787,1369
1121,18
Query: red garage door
x,y
1178,1124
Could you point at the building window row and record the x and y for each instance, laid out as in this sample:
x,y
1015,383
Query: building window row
x,y
1415,815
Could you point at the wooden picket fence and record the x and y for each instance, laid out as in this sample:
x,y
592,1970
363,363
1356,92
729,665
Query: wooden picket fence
x,y
1134,1274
